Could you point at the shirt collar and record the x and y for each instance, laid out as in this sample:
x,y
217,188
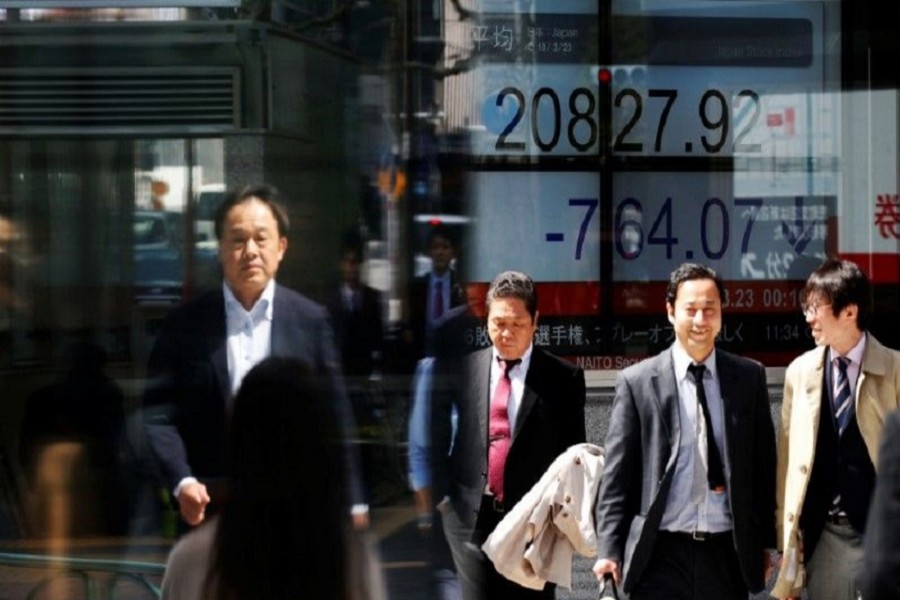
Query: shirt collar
x,y
856,352
262,309
682,361
526,359
442,278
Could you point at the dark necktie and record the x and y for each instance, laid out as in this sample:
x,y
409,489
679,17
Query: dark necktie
x,y
499,438
843,399
437,305
714,473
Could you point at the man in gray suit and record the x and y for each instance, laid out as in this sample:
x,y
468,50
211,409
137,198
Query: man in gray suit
x,y
684,509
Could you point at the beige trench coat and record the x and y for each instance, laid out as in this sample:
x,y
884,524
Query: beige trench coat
x,y
877,393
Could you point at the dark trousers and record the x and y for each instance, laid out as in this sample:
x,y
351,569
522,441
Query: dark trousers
x,y
681,568
495,585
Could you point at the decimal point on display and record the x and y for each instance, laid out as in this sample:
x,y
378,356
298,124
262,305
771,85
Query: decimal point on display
x,y
688,147
555,237
689,254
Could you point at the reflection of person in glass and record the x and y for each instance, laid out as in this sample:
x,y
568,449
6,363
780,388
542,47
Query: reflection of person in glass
x,y
73,446
836,397
208,345
10,268
435,292
356,315
685,503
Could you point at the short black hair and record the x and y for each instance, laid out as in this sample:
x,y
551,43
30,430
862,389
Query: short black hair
x,y
691,272
841,283
351,241
514,284
440,230
265,193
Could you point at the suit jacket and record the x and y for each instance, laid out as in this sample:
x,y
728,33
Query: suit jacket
x,y
550,420
877,393
880,577
188,388
359,333
419,308
641,451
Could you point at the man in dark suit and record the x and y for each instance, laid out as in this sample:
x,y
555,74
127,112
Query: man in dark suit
x,y
879,579
435,293
518,407
356,315
687,493
206,347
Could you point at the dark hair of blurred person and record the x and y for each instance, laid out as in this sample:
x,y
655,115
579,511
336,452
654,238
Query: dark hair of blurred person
x,y
283,531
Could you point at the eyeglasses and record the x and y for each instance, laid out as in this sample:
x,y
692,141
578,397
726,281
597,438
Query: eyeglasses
x,y
810,310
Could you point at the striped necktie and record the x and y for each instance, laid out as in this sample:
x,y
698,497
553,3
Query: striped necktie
x,y
843,399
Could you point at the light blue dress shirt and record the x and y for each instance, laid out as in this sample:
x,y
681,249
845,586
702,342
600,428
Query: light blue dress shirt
x,y
687,511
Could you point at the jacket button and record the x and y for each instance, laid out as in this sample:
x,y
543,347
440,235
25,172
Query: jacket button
x,y
577,460
568,499
804,469
790,517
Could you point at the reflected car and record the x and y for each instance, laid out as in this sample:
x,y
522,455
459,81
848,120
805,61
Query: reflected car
x,y
158,262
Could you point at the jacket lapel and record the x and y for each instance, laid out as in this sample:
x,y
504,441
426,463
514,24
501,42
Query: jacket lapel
x,y
479,390
283,338
529,396
218,352
733,394
812,389
665,394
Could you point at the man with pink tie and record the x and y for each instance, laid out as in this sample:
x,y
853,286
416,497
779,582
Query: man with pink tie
x,y
519,408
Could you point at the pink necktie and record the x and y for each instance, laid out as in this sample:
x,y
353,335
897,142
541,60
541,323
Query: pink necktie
x,y
498,429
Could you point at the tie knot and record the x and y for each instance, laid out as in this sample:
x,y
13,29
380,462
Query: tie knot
x,y
842,363
697,371
507,364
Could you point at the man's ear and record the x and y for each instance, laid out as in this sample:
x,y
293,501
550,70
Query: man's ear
x,y
670,313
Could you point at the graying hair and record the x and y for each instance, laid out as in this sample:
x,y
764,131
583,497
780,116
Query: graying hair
x,y
514,284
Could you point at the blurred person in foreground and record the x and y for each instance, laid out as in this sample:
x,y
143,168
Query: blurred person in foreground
x,y
836,399
880,579
282,532
518,408
685,505
207,346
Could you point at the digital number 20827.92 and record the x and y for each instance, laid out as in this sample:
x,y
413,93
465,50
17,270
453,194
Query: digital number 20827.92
x,y
581,122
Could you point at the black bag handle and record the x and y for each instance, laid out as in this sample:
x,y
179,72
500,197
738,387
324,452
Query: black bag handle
x,y
607,583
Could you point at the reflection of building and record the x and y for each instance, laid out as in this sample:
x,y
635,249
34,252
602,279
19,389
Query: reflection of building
x,y
118,138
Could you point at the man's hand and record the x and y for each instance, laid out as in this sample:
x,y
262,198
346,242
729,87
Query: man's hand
x,y
424,508
192,501
360,521
770,564
604,566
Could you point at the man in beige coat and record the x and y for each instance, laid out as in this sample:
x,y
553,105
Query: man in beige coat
x,y
836,398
